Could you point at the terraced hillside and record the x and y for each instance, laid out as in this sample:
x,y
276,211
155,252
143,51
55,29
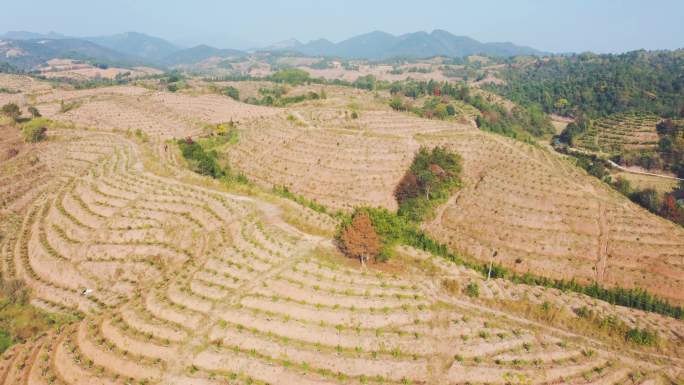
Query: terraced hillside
x,y
535,209
621,132
540,214
180,282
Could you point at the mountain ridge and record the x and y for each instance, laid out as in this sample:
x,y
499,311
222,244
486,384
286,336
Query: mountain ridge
x,y
136,44
377,45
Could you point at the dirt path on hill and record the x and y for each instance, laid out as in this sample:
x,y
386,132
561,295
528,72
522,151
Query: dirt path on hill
x,y
602,252
621,168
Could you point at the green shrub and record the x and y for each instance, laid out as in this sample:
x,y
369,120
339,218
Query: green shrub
x,y
642,337
397,104
232,92
200,161
34,130
5,341
472,290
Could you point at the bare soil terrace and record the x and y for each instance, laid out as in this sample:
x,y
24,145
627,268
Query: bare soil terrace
x,y
192,284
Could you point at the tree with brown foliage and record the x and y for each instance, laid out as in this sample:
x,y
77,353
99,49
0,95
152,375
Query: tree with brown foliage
x,y
360,240
407,187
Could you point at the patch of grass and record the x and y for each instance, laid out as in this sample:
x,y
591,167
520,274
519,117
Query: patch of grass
x,y
284,192
34,130
67,106
19,320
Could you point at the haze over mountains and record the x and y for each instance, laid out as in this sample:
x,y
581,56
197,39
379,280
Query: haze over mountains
x,y
382,45
27,49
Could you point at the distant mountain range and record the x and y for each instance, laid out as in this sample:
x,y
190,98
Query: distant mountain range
x,y
382,45
26,50
137,44
29,53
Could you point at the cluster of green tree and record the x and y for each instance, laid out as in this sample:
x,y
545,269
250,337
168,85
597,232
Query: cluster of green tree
x,y
593,165
574,130
599,85
322,65
392,230
662,204
33,128
431,179
12,112
7,68
230,78
419,70
434,107
173,81
349,66
671,145
19,320
203,158
201,161
120,79
368,82
293,76
520,123
231,92
277,97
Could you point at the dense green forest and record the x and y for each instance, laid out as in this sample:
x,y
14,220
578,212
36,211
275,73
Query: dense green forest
x,y
598,85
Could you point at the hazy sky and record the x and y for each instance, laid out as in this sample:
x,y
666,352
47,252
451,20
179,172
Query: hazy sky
x,y
551,25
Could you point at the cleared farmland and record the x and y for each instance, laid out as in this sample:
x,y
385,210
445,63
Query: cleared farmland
x,y
539,212
180,282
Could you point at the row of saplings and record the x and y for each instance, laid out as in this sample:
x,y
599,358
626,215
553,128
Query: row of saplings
x,y
372,233
33,128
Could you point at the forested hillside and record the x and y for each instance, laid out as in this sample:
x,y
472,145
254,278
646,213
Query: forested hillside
x,y
599,85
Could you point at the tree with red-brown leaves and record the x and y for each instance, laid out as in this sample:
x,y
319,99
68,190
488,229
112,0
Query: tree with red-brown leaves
x,y
438,171
670,210
407,187
360,240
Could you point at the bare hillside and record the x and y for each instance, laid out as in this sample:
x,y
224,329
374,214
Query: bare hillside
x,y
176,278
